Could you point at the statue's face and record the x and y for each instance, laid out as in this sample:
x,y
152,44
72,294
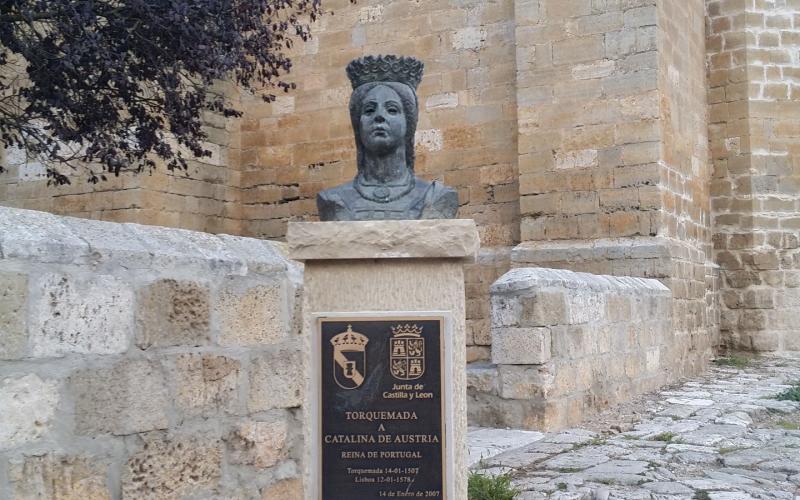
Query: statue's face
x,y
382,121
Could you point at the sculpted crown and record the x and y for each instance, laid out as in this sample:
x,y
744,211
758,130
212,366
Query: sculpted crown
x,y
350,340
407,330
388,68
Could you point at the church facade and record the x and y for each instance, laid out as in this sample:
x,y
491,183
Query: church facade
x,y
645,138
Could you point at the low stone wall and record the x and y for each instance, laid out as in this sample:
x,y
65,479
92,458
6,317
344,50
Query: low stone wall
x,y
565,344
143,362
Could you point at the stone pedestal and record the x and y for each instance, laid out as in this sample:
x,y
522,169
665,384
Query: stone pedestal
x,y
389,268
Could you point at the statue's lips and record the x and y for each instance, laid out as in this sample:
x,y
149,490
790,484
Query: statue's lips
x,y
379,132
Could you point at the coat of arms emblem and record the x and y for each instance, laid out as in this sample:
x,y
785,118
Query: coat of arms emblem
x,y
349,358
407,352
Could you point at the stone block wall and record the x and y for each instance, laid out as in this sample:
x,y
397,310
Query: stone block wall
x,y
144,362
466,134
694,282
566,344
753,52
202,198
614,173
588,118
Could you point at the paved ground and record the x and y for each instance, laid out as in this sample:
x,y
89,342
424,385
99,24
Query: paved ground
x,y
719,437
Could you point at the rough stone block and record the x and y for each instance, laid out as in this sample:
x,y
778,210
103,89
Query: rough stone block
x,y
70,314
58,478
571,342
506,310
386,239
520,346
545,308
619,308
206,384
173,313
586,306
276,380
482,378
286,489
524,382
178,468
261,444
39,237
129,397
471,38
576,50
252,315
27,407
13,332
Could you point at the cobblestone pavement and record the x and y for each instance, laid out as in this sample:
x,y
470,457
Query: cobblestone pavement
x,y
722,436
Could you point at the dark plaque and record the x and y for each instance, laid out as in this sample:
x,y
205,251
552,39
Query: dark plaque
x,y
382,428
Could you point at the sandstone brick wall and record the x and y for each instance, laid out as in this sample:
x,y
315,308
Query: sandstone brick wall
x,y
466,134
591,123
144,362
754,65
614,150
566,344
587,93
203,198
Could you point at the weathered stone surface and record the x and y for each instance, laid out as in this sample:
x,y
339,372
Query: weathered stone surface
x,y
55,477
487,443
166,469
126,398
13,332
39,237
251,315
287,489
520,346
27,409
261,444
383,239
92,315
545,308
172,313
570,343
524,382
668,488
656,460
275,380
110,420
206,384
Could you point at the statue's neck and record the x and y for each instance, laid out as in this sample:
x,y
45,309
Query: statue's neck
x,y
390,169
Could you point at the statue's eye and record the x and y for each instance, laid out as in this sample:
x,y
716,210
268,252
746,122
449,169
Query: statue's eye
x,y
392,110
368,109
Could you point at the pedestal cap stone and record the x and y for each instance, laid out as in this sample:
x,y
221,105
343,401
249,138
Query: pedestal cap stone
x,y
385,239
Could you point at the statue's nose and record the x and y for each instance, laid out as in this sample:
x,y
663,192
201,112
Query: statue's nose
x,y
379,117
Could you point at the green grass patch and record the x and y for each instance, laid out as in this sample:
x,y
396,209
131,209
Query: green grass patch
x,y
788,425
790,394
486,487
664,436
562,486
701,495
607,482
734,361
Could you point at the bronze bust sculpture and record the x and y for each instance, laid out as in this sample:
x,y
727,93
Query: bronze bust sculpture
x,y
383,112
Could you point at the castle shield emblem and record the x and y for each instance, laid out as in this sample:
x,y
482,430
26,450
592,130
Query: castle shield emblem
x,y
349,359
407,352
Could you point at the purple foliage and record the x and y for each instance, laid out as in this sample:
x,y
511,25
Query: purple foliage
x,y
118,77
